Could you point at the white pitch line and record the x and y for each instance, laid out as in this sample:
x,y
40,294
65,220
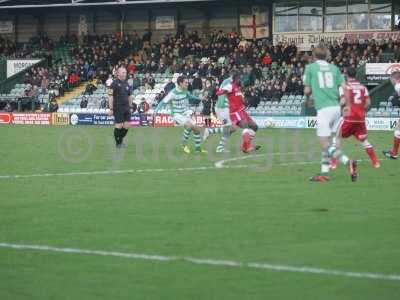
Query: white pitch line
x,y
106,172
205,261
217,166
131,171
221,163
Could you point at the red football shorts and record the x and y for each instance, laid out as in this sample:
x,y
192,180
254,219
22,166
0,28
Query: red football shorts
x,y
356,129
236,117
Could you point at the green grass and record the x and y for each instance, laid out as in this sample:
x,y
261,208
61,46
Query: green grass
x,y
265,213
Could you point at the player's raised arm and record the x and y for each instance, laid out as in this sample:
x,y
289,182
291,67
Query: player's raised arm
x,y
164,102
193,99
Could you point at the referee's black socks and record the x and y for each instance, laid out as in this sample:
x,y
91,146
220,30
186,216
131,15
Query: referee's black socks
x,y
119,134
124,132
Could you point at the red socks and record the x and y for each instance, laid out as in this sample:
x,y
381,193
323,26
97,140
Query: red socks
x,y
247,137
246,145
372,155
396,145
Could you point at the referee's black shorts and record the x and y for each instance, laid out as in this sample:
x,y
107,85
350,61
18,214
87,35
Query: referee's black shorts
x,y
122,116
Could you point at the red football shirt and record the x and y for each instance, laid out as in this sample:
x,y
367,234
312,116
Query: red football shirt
x,y
236,99
357,95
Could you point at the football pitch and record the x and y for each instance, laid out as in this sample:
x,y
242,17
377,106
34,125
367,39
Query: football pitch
x,y
80,220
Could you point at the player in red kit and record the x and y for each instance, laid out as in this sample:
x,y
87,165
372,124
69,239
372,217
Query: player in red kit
x,y
355,102
393,154
237,112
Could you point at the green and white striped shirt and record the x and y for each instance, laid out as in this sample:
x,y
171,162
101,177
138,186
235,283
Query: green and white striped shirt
x,y
179,101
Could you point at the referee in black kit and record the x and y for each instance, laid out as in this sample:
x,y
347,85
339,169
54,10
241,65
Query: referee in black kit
x,y
119,104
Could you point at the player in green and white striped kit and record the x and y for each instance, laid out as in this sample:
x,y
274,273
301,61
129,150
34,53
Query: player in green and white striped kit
x,y
222,111
179,99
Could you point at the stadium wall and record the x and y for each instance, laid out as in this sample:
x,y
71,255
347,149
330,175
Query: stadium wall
x,y
26,27
56,22
136,19
158,28
83,18
203,17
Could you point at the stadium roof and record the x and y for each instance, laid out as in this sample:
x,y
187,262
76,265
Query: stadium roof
x,y
9,4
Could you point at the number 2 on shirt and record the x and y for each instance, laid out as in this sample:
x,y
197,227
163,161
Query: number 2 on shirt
x,y
357,96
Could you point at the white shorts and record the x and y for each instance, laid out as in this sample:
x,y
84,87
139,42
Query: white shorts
x,y
328,119
223,115
182,119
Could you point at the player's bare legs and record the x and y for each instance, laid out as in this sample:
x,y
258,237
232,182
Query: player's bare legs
x,y
333,159
189,128
248,135
370,152
225,131
327,153
393,154
325,161
336,152
187,131
365,144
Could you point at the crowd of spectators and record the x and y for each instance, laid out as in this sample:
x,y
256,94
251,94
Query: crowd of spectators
x,y
357,53
7,47
55,80
268,71
37,47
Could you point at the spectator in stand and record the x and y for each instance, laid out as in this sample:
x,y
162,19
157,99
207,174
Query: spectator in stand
x,y
109,80
148,81
169,86
7,47
143,106
84,102
277,92
131,68
256,72
147,36
267,60
208,100
197,84
8,107
53,106
134,107
252,97
135,82
291,87
130,82
276,55
396,52
104,103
